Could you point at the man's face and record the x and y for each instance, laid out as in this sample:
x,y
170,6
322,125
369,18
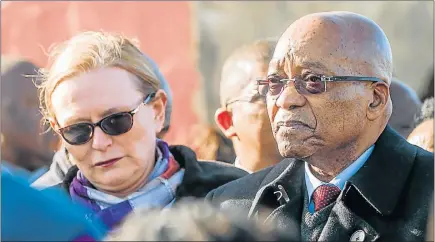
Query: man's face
x,y
310,124
250,119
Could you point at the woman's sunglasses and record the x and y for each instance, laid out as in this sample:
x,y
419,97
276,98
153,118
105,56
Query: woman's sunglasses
x,y
312,84
115,124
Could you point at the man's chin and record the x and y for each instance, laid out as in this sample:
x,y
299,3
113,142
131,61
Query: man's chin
x,y
296,151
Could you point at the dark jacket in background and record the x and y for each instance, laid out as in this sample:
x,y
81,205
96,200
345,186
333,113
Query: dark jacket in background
x,y
387,199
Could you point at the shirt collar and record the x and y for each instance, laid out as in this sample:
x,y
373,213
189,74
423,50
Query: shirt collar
x,y
238,165
312,182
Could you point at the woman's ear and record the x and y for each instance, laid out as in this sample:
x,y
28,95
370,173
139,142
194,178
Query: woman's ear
x,y
159,105
53,124
379,100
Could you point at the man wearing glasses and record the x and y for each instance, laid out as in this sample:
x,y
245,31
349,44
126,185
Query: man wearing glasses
x,y
243,115
349,176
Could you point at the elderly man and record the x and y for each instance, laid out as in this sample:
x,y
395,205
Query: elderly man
x,y
422,135
351,176
61,163
243,115
406,106
23,146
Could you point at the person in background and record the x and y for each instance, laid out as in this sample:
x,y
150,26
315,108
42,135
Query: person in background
x,y
428,90
193,221
348,175
242,116
100,94
31,215
23,147
406,106
61,164
422,135
430,224
209,144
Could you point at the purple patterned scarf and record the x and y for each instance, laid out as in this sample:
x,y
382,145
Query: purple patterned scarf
x,y
159,191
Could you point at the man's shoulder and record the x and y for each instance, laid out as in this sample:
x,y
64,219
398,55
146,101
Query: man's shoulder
x,y
243,188
221,170
423,167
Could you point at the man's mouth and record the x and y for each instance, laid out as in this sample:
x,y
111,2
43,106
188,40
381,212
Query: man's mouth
x,y
293,124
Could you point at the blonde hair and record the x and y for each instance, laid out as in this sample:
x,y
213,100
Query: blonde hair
x,y
91,50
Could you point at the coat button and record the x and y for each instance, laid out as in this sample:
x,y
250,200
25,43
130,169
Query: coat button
x,y
358,235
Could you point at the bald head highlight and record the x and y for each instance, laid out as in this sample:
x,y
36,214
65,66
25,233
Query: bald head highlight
x,y
348,44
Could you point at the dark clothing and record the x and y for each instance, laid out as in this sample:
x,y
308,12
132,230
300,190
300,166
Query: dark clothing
x,y
387,199
200,177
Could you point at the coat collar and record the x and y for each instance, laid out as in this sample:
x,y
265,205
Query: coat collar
x,y
386,171
383,175
284,179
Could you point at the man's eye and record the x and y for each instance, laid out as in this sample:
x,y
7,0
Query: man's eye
x,y
312,78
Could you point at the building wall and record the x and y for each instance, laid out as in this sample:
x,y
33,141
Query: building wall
x,y
164,29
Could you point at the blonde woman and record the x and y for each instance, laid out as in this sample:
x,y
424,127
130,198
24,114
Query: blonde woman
x,y
102,97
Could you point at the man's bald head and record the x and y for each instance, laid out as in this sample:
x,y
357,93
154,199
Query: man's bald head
x,y
243,115
243,66
320,119
347,44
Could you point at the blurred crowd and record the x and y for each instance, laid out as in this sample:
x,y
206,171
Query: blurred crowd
x,y
315,139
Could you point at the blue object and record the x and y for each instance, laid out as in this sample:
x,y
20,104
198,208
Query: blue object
x,y
49,215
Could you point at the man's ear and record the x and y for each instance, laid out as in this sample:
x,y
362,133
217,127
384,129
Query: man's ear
x,y
224,121
379,101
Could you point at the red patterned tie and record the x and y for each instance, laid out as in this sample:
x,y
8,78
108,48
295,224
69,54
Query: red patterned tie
x,y
325,195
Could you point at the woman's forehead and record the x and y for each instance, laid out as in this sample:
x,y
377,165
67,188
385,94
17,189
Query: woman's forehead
x,y
93,93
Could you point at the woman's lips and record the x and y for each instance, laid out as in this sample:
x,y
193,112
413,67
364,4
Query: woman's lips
x,y
108,163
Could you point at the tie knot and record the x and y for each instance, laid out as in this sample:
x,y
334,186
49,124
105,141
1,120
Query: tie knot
x,y
325,195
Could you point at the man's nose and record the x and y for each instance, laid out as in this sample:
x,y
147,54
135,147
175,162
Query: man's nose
x,y
290,98
101,140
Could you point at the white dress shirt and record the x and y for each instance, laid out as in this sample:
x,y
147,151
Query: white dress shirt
x,y
238,165
312,182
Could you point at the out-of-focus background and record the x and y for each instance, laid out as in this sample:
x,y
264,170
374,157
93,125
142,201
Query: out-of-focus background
x,y
190,40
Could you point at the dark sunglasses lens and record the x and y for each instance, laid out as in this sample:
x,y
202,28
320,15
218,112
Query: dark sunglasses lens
x,y
117,124
310,87
77,134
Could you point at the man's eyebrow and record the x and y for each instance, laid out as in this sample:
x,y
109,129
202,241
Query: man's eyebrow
x,y
315,64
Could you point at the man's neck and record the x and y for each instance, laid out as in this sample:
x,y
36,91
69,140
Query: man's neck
x,y
254,160
326,166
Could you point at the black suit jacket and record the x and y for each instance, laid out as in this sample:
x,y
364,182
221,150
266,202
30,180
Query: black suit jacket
x,y
387,199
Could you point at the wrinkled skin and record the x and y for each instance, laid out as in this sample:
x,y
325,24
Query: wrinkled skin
x,y
331,129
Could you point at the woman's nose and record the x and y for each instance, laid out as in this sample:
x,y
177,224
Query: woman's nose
x,y
101,140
